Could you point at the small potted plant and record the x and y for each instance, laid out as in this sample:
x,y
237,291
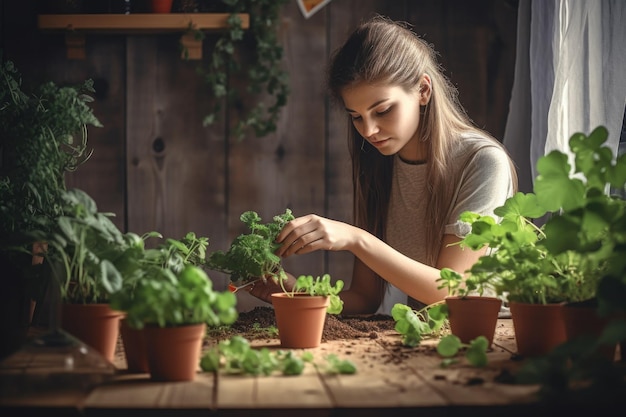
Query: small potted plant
x,y
173,301
251,257
301,313
471,305
88,259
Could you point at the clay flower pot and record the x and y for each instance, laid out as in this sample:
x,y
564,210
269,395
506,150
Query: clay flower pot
x,y
582,320
161,6
538,327
300,319
473,316
135,348
96,325
174,352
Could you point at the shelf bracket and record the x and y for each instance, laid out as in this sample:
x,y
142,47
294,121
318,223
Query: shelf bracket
x,y
75,45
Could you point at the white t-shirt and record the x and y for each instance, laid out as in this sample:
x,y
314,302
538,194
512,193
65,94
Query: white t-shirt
x,y
485,185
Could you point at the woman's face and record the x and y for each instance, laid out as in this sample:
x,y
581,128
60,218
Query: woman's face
x,y
387,116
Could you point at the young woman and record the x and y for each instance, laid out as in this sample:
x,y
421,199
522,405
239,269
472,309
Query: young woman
x,y
418,162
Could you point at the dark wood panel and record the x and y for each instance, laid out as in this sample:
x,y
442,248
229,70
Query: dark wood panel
x,y
175,165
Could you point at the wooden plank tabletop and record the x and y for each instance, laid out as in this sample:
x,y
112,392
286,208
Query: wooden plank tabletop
x,y
389,377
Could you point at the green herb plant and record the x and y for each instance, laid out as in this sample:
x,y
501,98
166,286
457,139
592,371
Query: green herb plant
x,y
251,256
580,248
431,322
462,286
237,356
415,325
322,286
172,289
44,135
475,351
88,255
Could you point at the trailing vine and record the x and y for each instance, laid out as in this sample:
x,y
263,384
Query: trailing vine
x,y
264,77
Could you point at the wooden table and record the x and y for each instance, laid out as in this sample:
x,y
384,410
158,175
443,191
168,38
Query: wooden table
x,y
391,380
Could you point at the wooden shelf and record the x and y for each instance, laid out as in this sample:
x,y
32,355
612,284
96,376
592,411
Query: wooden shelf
x,y
77,25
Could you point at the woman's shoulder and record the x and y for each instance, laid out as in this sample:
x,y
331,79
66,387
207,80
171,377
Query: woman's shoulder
x,y
470,143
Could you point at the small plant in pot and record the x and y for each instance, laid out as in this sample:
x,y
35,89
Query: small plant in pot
x,y
301,312
89,258
251,257
470,310
173,301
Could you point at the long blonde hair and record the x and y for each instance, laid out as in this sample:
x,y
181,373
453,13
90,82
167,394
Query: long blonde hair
x,y
384,51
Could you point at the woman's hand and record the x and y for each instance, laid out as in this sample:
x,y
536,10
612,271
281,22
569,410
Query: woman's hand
x,y
264,290
312,232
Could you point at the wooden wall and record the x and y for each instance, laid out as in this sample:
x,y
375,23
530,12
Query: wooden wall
x,y
157,168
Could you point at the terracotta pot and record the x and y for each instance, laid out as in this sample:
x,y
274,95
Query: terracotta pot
x,y
161,6
174,352
582,320
538,327
473,316
96,325
300,319
135,348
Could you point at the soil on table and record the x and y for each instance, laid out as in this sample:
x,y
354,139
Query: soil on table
x,y
260,323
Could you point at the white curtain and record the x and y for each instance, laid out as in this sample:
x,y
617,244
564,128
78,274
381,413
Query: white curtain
x,y
570,77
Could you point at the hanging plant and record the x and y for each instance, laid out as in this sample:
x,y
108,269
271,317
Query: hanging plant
x,y
263,77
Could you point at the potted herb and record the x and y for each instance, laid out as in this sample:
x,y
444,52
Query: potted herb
x,y
301,312
89,258
44,135
251,255
470,310
173,301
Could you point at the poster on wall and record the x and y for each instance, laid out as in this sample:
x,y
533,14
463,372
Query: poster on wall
x,y
310,7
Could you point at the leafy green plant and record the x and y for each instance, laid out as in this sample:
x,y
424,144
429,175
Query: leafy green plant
x,y
251,256
462,286
263,77
237,356
579,250
430,321
172,289
475,351
415,325
44,135
320,286
88,255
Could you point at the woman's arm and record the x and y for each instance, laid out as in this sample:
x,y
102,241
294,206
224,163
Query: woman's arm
x,y
310,233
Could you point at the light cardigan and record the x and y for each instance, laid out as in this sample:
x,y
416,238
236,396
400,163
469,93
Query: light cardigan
x,y
485,183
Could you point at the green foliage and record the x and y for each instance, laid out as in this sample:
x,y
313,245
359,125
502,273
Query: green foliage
x,y
458,285
88,255
321,286
263,74
582,243
237,356
475,352
251,256
415,325
170,288
177,299
579,370
43,136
